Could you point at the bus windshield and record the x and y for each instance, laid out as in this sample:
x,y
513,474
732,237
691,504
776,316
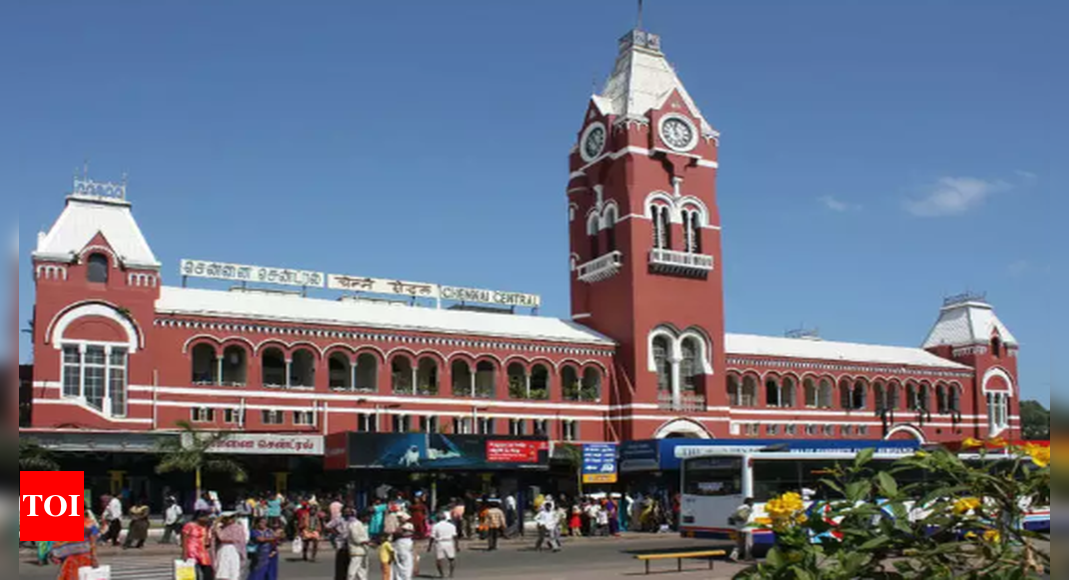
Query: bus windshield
x,y
713,476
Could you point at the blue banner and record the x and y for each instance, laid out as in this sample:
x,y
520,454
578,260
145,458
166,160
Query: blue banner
x,y
599,463
668,454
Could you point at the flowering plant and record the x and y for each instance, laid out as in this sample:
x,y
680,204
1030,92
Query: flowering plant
x,y
935,515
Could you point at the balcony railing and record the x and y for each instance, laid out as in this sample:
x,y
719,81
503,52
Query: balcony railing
x,y
680,263
601,268
688,403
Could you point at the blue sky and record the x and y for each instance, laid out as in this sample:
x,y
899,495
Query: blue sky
x,y
875,156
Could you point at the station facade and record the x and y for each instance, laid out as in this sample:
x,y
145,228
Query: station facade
x,y
644,354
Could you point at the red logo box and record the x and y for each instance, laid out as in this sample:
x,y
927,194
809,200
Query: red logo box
x,y
51,506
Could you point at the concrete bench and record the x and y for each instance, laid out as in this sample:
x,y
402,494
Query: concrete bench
x,y
680,556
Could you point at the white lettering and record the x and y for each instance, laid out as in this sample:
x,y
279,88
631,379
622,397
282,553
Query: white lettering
x,y
75,512
33,503
62,503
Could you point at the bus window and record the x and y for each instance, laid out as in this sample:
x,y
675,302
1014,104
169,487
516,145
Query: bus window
x,y
712,477
814,473
774,477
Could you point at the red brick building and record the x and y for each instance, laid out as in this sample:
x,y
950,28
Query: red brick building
x,y
644,355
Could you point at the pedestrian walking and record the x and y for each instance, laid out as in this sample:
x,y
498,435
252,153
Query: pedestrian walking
x,y
310,526
740,520
172,522
495,524
230,548
113,520
444,545
359,544
138,532
405,566
74,556
387,557
195,545
546,521
266,540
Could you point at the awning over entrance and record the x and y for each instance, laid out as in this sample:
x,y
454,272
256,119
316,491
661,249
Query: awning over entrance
x,y
435,452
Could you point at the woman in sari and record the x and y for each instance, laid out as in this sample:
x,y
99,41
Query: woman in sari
x,y
230,548
74,556
266,542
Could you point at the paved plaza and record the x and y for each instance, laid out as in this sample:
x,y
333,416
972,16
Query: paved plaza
x,y
585,559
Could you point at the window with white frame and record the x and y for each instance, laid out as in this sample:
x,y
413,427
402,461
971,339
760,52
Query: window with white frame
x,y
812,430
202,415
96,374
273,417
753,430
829,430
998,412
486,426
570,430
692,231
233,417
428,424
863,430
367,423
517,427
790,429
772,430
540,427
304,418
402,424
662,228
463,426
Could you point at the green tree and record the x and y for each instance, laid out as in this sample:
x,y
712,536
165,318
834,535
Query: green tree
x,y
573,456
1035,421
33,457
191,453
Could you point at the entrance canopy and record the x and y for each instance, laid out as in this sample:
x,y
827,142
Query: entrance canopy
x,y
418,452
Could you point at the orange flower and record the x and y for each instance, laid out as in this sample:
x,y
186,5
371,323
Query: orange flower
x,y
972,443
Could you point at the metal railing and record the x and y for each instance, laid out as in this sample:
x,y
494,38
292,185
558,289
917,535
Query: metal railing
x,y
673,262
688,403
601,268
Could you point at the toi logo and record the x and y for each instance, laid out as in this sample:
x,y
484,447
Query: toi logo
x,y
51,506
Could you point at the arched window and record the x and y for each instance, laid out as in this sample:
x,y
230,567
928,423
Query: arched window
x,y
996,347
998,412
204,365
591,389
401,374
911,397
463,379
340,372
569,380
846,395
273,368
235,366
540,383
367,373
924,397
879,390
734,391
812,400
749,392
942,399
662,228
593,229
955,398
661,349
427,377
772,393
690,370
859,399
692,232
610,229
485,380
517,381
303,369
97,268
787,390
894,396
827,394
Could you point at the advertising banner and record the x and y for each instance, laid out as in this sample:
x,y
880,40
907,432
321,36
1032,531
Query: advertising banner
x,y
425,452
599,463
668,454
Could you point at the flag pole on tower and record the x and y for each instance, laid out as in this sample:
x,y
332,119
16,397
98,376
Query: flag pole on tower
x,y
639,15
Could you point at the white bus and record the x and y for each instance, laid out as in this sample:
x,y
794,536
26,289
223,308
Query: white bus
x,y
714,486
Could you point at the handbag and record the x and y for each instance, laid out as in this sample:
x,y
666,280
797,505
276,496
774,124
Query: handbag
x,y
298,546
101,573
185,570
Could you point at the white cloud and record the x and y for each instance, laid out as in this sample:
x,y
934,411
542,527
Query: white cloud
x,y
1019,268
837,205
954,196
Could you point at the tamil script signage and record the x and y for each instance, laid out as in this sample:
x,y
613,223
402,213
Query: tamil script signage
x,y
379,286
668,454
490,297
256,444
599,463
259,274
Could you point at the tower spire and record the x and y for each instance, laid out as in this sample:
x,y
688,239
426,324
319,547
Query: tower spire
x,y
639,25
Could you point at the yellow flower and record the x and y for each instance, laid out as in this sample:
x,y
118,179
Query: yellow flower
x,y
1040,455
972,443
992,536
966,505
921,454
970,536
998,442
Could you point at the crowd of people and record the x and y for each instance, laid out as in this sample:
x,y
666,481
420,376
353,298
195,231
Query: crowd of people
x,y
246,543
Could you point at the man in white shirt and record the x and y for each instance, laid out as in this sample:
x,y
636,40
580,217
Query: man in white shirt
x,y
172,522
113,517
359,544
548,527
740,520
444,542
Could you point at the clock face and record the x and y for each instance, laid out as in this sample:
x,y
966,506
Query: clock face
x,y
678,134
593,142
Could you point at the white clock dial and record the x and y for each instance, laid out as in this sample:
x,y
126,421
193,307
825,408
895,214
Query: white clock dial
x,y
678,133
593,143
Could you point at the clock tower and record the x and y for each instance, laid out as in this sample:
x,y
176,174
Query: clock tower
x,y
646,245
